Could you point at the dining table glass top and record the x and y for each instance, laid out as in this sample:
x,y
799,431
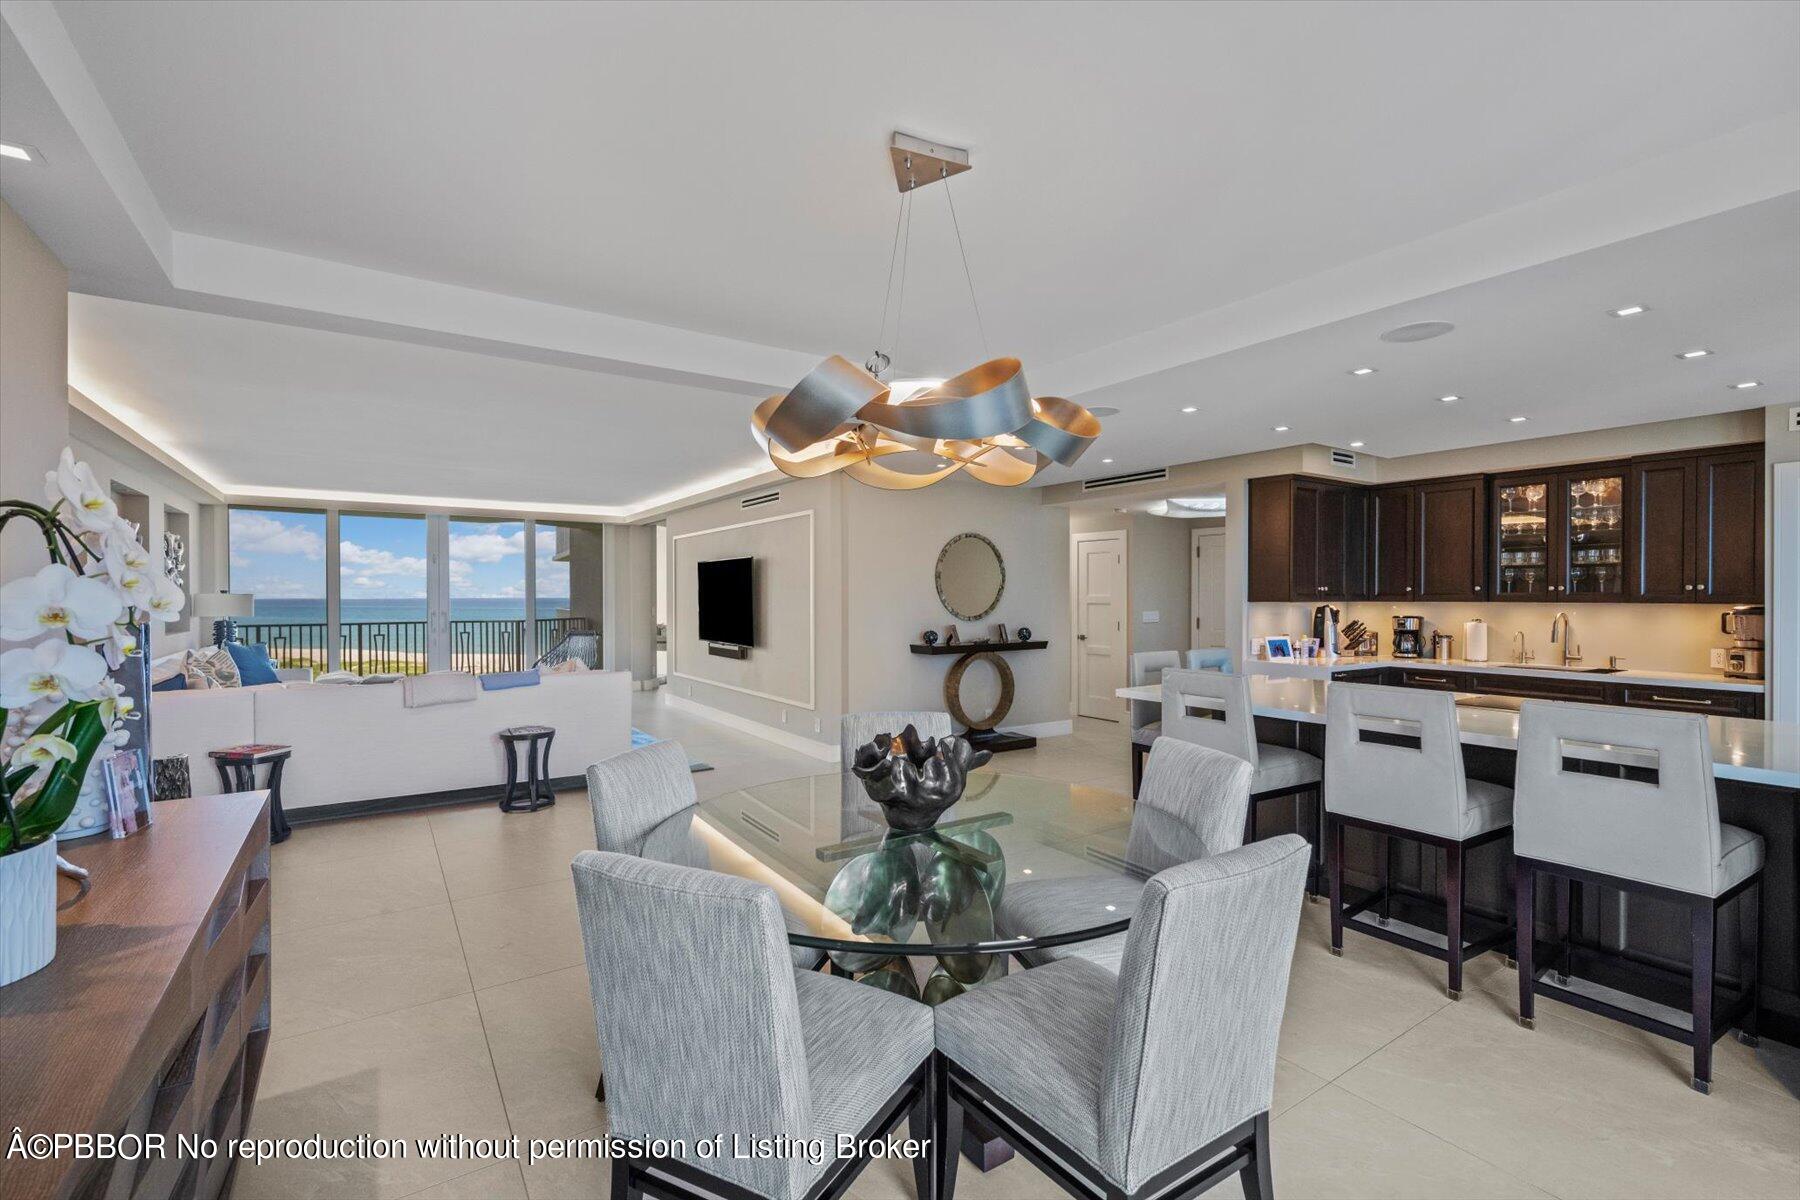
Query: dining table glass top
x,y
1018,862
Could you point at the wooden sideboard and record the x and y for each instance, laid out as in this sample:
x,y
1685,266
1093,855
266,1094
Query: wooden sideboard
x,y
154,1016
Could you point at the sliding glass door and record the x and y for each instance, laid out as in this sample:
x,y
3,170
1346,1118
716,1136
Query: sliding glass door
x,y
488,583
383,584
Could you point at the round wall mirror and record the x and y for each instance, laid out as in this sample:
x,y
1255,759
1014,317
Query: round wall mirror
x,y
970,576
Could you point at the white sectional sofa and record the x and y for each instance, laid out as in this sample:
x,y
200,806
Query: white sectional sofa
x,y
359,743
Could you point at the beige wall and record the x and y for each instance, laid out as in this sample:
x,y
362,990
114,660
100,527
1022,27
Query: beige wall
x,y
1658,437
34,366
628,617
892,544
793,684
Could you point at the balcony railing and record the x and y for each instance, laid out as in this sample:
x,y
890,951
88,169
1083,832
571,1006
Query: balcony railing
x,y
401,647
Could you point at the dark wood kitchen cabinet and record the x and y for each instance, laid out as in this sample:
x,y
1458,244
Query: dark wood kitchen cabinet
x,y
1306,540
1696,527
1559,535
1389,559
1451,527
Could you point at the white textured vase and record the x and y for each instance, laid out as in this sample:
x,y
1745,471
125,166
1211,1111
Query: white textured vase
x,y
27,911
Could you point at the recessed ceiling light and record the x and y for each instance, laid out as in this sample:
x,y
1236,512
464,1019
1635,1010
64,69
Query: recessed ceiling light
x,y
21,152
1693,354
1362,370
1630,310
1106,460
1748,383
1518,420
1190,408
1281,429
1356,445
1448,399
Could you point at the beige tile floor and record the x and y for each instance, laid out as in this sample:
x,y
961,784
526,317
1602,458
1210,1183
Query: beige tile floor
x,y
429,979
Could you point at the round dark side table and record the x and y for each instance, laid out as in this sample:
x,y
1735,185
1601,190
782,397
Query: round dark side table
x,y
237,773
537,767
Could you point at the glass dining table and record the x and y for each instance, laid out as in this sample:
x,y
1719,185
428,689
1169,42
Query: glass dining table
x,y
1018,863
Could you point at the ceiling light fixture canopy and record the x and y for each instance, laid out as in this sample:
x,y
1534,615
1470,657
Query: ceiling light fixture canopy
x,y
907,434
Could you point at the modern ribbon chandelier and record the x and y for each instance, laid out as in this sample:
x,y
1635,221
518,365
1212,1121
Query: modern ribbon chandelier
x,y
900,435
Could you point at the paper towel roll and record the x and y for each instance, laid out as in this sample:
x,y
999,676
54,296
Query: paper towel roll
x,y
1475,640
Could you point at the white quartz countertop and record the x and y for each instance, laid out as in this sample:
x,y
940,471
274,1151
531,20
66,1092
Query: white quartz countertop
x,y
1752,751
1323,668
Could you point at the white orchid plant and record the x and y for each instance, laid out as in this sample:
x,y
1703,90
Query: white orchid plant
x,y
58,703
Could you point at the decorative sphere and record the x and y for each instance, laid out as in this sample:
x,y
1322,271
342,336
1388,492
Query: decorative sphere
x,y
1024,633
929,637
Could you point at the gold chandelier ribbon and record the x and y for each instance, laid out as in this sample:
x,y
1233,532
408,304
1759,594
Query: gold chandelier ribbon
x,y
984,421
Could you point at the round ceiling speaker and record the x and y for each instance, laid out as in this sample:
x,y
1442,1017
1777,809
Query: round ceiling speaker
x,y
1418,331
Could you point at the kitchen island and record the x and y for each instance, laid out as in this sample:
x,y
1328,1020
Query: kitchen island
x,y
1756,765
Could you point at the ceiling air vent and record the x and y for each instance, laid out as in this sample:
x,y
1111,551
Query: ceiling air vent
x,y
1156,476
756,501
1344,458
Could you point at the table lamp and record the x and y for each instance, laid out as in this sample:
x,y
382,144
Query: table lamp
x,y
226,609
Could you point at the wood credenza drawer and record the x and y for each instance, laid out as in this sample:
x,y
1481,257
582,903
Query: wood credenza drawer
x,y
1695,700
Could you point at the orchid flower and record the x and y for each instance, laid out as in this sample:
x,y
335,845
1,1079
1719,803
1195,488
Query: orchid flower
x,y
45,749
57,600
51,670
73,482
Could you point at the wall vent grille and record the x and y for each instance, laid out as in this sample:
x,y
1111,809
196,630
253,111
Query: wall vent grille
x,y
1344,458
758,501
1111,481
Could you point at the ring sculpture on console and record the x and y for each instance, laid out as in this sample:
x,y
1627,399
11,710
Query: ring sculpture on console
x,y
985,421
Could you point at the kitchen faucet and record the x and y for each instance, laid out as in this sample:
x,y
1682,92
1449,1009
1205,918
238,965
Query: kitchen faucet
x,y
1571,652
1520,654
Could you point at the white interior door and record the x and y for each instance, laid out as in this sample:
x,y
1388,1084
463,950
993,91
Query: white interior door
x,y
1207,588
1100,642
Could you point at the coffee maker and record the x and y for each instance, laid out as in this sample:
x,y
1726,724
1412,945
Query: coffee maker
x,y
1744,657
1409,637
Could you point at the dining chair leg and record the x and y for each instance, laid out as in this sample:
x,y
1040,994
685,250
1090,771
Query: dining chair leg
x,y
600,1089
1138,754
919,1126
1335,837
1258,1176
1564,890
1453,917
1384,873
1525,938
625,1185
946,1131
1705,918
1250,822
1750,921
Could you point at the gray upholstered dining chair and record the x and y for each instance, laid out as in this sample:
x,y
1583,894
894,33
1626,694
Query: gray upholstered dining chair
x,y
1626,799
1147,667
1192,805
1153,1082
1211,708
1394,768
857,730
707,1031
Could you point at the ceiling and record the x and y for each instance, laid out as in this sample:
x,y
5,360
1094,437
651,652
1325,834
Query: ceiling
x,y
625,222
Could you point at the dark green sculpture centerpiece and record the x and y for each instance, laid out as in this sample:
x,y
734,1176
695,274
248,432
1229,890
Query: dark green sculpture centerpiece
x,y
915,781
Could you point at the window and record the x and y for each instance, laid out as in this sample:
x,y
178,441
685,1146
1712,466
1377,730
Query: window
x,y
279,558
382,617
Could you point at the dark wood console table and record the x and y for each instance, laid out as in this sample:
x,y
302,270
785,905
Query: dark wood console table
x,y
981,731
153,1018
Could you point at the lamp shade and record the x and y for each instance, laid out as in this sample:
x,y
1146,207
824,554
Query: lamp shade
x,y
223,604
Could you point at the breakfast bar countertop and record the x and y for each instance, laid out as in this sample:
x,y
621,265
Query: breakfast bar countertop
x,y
1322,668
1753,751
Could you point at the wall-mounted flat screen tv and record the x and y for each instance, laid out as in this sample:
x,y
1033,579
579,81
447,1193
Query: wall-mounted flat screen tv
x,y
727,602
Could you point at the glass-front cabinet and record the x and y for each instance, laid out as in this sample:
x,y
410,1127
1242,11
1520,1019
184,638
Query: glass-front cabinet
x,y
1560,535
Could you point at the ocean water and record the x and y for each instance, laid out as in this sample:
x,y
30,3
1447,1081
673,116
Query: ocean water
x,y
492,608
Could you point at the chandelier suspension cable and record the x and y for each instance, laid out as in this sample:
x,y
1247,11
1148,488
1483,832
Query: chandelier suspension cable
x,y
986,350
905,258
887,292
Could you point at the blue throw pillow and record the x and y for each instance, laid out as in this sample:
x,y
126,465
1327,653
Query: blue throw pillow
x,y
253,664
174,683
501,680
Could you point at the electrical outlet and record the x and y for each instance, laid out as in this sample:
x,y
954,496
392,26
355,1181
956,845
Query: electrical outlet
x,y
784,716
1794,419
815,724
1152,617
1718,657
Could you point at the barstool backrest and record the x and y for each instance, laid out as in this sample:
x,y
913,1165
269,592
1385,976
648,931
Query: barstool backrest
x,y
1374,771
1147,666
857,730
1209,658
1220,712
1660,825
1191,1050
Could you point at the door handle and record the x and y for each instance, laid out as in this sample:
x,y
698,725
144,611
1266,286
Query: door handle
x,y
1081,637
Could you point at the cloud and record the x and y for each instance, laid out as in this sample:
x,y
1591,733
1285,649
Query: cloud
x,y
266,534
370,561
276,588
490,545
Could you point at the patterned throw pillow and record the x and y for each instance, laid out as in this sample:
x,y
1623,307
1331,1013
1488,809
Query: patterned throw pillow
x,y
212,668
568,666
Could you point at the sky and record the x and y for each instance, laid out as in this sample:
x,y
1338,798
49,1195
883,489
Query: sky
x,y
281,555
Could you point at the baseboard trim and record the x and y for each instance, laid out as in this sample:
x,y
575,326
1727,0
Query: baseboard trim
x,y
781,737
313,813
1043,729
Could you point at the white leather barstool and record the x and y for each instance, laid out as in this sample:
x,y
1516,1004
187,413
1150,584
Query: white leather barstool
x,y
1393,766
1147,666
1625,799
1212,709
